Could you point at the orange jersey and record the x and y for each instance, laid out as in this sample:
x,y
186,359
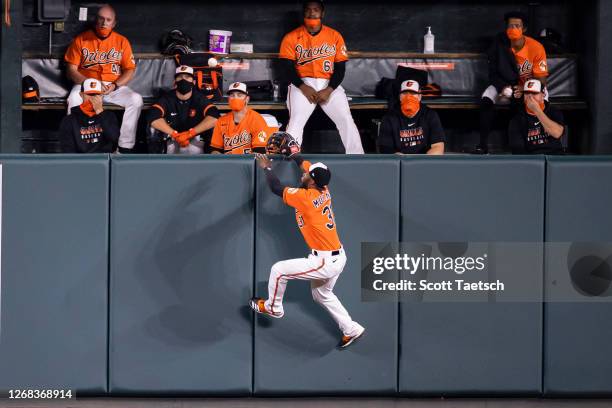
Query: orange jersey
x,y
531,60
314,55
314,216
240,138
103,59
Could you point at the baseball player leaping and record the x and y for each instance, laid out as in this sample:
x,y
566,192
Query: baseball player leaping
x,y
314,58
315,219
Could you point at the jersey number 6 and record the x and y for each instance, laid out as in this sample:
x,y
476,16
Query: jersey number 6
x,y
330,215
328,66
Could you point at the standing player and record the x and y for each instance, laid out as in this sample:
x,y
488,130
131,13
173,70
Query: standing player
x,y
180,117
105,55
315,219
241,131
314,57
513,59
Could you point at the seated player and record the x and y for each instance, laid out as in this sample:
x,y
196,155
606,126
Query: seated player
x,y
103,54
241,131
538,127
412,129
513,59
89,128
181,118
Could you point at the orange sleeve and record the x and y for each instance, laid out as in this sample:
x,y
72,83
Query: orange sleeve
x,y
287,48
73,53
305,165
259,131
341,52
540,65
295,197
127,59
217,138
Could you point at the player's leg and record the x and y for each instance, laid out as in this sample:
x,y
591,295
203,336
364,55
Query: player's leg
x,y
132,102
283,271
322,293
300,110
338,110
74,97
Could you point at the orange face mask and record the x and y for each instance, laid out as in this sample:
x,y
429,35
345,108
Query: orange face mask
x,y
410,105
312,23
88,108
542,105
514,33
236,105
103,31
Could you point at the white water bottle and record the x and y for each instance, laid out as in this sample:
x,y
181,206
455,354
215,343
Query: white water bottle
x,y
429,42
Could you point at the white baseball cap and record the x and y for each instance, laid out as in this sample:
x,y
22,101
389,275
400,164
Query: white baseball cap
x,y
91,86
533,86
238,86
183,69
410,85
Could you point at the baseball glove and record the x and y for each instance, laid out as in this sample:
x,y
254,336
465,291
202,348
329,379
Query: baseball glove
x,y
282,143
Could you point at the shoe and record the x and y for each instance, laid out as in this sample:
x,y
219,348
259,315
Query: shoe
x,y
348,340
259,306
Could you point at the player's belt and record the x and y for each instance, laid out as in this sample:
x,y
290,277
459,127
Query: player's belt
x,y
333,253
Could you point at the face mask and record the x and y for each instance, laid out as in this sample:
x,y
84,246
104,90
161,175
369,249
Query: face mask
x,y
88,108
410,105
103,31
514,33
542,105
236,105
312,23
184,87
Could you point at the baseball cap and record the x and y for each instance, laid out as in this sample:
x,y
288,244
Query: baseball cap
x,y
238,87
409,86
183,69
320,174
91,86
532,86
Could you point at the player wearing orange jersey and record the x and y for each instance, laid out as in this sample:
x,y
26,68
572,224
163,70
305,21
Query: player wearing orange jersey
x,y
105,55
314,58
315,219
514,58
242,131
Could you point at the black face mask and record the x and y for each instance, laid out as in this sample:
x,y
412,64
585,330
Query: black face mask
x,y
184,87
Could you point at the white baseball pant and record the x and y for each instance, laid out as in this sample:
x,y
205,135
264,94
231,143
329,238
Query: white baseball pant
x,y
322,271
122,96
336,107
196,146
499,99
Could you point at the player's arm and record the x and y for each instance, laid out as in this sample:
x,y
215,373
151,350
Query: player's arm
x,y
289,72
273,182
66,138
128,66
72,71
109,123
157,118
126,76
334,82
494,76
386,136
552,126
436,135
216,141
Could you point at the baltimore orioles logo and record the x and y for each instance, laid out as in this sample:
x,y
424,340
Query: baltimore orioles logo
x,y
307,55
93,58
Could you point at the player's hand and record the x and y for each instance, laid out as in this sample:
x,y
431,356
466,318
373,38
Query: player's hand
x,y
106,89
309,93
507,92
531,104
96,102
262,160
324,94
518,92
